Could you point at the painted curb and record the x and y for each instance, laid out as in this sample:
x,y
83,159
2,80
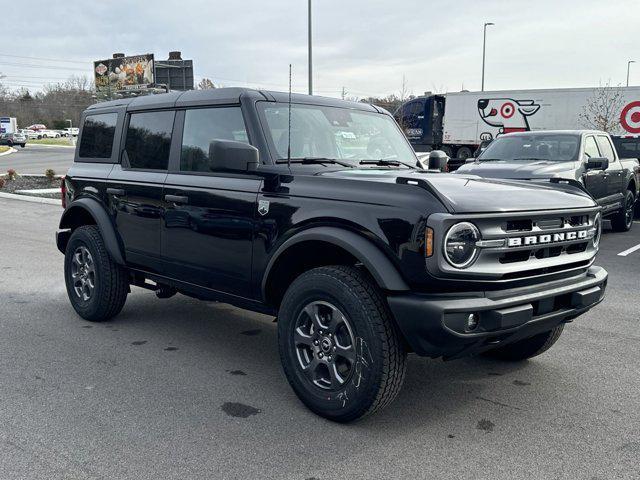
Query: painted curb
x,y
49,146
8,152
26,198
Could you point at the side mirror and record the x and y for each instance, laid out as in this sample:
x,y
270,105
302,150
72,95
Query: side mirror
x,y
597,163
438,160
228,155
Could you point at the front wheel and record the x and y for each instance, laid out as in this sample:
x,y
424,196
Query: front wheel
x,y
97,287
623,220
340,349
527,348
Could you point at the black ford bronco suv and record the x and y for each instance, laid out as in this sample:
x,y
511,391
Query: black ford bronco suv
x,y
312,210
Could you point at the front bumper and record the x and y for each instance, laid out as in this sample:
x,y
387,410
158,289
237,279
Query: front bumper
x,y
435,325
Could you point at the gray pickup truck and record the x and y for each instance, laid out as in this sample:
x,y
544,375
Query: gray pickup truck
x,y
585,156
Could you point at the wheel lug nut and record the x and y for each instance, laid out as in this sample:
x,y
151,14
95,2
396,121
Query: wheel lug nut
x,y
315,342
320,355
334,348
329,358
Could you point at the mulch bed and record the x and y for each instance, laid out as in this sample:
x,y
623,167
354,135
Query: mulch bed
x,y
30,183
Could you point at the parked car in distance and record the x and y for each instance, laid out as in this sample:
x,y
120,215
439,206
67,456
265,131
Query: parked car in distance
x,y
252,198
584,156
12,139
50,133
36,127
72,131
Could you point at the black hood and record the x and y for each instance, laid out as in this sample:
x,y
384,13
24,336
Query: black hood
x,y
473,194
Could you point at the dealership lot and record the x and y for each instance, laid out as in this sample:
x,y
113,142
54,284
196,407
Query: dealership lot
x,y
184,389
35,159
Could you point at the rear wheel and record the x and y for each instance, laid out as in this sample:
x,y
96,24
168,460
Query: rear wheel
x,y
97,287
527,348
340,349
463,153
623,220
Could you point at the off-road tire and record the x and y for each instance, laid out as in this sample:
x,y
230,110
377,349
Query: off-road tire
x,y
111,280
527,348
382,359
623,220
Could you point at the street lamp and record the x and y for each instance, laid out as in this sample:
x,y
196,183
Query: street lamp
x,y
628,68
310,54
484,48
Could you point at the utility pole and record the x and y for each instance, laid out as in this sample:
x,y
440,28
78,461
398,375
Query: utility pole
x,y
484,49
310,54
344,93
628,68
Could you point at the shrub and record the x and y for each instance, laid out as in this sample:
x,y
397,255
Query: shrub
x,y
50,174
1,182
11,174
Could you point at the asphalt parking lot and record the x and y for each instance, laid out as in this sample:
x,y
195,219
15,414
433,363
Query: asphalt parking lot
x,y
184,389
35,159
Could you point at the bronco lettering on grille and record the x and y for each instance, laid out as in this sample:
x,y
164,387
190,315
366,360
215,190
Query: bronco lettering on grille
x,y
547,238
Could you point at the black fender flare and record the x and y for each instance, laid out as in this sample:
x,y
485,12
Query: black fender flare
x,y
375,261
103,221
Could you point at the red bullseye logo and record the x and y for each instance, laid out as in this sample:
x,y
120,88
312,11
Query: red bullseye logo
x,y
507,110
630,117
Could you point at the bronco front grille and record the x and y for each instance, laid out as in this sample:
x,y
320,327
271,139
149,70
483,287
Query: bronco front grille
x,y
522,244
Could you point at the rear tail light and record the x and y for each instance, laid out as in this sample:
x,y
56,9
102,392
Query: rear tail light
x,y
63,192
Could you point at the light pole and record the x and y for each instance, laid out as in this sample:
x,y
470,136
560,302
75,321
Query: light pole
x,y
628,68
484,49
310,54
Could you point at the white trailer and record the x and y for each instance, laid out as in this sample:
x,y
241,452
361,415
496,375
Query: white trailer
x,y
459,122
471,117
8,125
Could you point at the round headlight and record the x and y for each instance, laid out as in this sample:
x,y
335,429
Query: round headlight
x,y
460,244
597,225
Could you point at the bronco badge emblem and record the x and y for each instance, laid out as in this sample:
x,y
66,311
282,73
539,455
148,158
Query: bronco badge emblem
x,y
263,207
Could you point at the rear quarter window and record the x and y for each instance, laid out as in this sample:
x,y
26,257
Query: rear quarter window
x,y
98,134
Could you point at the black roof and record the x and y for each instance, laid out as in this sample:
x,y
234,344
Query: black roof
x,y
224,96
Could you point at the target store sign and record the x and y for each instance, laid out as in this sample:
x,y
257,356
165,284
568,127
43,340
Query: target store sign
x,y
630,117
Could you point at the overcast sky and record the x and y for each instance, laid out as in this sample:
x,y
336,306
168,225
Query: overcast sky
x,y
365,46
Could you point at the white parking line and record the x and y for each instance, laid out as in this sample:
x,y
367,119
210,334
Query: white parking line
x,y
629,250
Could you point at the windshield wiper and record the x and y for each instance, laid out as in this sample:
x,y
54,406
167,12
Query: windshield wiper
x,y
314,161
383,162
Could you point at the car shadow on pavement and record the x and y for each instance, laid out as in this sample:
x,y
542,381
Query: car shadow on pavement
x,y
246,342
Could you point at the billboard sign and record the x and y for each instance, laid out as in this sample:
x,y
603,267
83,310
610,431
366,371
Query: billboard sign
x,y
125,73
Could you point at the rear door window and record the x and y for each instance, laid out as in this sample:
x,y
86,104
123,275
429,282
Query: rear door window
x,y
98,133
148,140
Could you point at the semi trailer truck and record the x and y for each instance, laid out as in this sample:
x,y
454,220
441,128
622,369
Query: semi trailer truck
x,y
459,122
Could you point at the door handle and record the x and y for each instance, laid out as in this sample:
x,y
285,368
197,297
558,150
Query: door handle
x,y
116,191
176,199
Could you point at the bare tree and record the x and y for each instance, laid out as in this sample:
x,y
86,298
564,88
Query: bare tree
x,y
602,110
205,84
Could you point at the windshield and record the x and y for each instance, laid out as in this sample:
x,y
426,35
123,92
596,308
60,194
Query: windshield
x,y
549,147
334,133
